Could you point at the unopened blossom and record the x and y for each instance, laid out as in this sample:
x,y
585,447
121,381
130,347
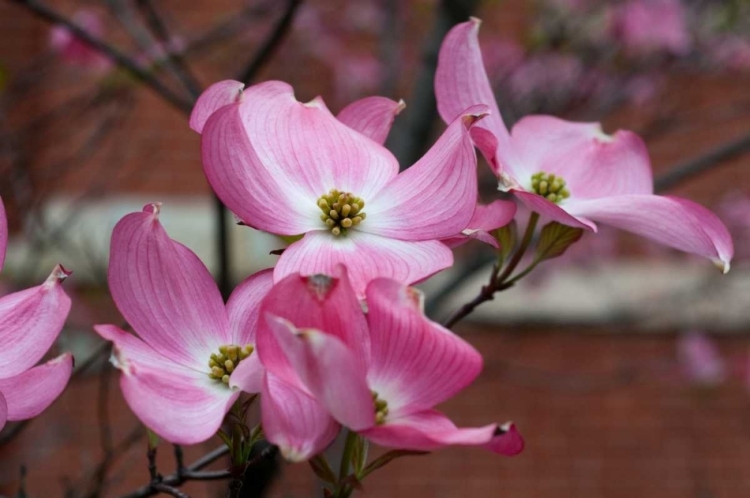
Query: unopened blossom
x,y
30,321
651,26
700,359
75,51
572,173
382,375
295,169
179,372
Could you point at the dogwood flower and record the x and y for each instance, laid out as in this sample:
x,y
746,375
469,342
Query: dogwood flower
x,y
30,321
573,173
75,51
381,375
295,169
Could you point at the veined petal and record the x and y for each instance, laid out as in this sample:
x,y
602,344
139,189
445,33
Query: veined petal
x,y
592,163
416,363
316,150
31,321
3,411
371,116
461,82
671,221
321,301
429,430
366,256
552,211
294,421
248,375
3,233
251,189
212,99
330,371
243,306
165,292
486,219
180,404
30,393
436,197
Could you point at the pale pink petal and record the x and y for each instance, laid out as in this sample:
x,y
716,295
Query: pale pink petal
x,y
429,430
243,306
3,233
248,375
212,99
366,256
486,219
30,393
165,292
461,82
252,190
671,221
371,116
294,421
700,359
320,301
30,321
416,363
592,163
3,411
180,404
436,197
552,211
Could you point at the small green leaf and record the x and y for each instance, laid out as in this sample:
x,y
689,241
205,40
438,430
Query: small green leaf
x,y
322,469
153,439
359,455
506,237
387,458
555,240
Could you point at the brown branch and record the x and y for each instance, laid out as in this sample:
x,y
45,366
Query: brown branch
x,y
52,16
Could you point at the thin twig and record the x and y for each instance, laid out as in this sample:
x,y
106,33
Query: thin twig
x,y
52,16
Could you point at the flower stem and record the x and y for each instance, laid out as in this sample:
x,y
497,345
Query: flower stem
x,y
344,490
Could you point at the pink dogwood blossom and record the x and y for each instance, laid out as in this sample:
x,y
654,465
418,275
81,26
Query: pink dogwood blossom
x,y
647,26
75,51
296,169
381,375
700,359
179,374
30,321
573,173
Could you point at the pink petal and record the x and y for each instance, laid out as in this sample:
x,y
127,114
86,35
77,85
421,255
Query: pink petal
x,y
671,221
416,363
331,372
30,393
592,163
3,411
552,211
294,421
323,302
243,306
180,404
366,256
371,116
212,99
248,375
31,321
429,430
165,292
3,233
701,359
435,198
461,82
486,219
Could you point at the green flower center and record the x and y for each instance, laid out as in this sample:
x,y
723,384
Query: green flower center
x,y
341,211
223,364
550,186
381,408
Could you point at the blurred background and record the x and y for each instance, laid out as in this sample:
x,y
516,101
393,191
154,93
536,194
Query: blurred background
x,y
626,366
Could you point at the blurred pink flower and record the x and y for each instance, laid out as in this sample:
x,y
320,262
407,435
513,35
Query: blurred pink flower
x,y
382,374
75,51
355,76
732,52
338,185
643,89
502,58
548,73
648,26
30,321
734,210
572,173
700,359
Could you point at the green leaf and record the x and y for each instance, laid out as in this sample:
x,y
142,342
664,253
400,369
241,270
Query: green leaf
x,y
322,469
387,458
506,237
555,240
359,455
153,439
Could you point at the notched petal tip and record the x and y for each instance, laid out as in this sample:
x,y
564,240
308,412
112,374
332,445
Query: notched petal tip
x,y
399,107
474,115
507,440
415,298
320,285
723,266
475,20
153,208
58,275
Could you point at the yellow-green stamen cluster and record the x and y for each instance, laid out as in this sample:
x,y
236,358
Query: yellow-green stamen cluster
x,y
381,408
550,186
223,364
341,210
